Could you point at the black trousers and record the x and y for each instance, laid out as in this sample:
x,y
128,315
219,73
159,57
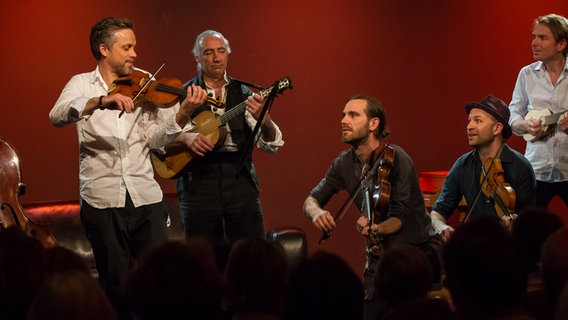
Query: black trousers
x,y
219,203
119,236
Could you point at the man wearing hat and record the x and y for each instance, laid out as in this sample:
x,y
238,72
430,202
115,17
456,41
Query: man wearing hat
x,y
487,129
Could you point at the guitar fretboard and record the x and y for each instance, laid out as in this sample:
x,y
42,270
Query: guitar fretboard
x,y
240,108
553,118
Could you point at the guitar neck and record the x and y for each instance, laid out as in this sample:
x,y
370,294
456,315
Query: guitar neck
x,y
233,112
241,107
552,119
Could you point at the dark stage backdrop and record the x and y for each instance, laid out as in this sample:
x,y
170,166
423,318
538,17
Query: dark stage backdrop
x,y
423,59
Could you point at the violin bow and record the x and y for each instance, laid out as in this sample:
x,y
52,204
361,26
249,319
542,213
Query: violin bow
x,y
466,218
145,85
341,213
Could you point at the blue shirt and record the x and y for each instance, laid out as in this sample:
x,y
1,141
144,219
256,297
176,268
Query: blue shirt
x,y
464,180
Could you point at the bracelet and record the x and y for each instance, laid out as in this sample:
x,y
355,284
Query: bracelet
x,y
100,105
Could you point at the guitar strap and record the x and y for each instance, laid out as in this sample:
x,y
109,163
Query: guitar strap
x,y
251,141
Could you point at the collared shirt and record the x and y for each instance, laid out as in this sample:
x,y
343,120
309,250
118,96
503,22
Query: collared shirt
x,y
113,150
464,179
534,91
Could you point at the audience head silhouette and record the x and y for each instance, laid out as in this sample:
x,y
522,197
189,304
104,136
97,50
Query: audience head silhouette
x,y
422,308
60,259
323,287
22,271
484,270
70,295
256,277
177,280
561,311
531,228
554,264
403,273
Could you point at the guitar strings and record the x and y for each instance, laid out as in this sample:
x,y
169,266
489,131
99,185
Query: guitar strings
x,y
228,115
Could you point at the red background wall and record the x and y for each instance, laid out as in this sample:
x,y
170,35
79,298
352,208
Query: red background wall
x,y
423,59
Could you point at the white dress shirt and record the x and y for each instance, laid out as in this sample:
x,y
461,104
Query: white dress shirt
x,y
114,150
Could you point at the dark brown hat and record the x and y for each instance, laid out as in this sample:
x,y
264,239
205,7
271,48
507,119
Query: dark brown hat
x,y
496,108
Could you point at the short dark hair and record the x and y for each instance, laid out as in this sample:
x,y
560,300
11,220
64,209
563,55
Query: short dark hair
x,y
103,32
375,109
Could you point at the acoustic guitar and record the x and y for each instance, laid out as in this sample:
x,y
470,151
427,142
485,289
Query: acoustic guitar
x,y
548,122
177,157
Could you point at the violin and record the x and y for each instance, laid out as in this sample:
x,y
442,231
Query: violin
x,y
12,213
381,184
163,93
493,185
379,193
381,161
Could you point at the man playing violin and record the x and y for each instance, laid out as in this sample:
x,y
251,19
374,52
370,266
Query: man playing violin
x,y
402,219
477,175
539,108
219,194
121,202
